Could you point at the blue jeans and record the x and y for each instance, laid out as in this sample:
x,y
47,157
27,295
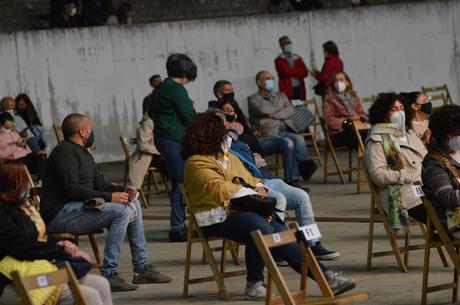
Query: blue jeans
x,y
273,145
76,219
292,198
38,141
238,227
169,149
301,151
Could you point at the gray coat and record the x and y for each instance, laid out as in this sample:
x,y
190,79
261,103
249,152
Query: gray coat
x,y
276,104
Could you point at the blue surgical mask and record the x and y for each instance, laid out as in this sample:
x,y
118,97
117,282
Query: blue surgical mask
x,y
288,48
269,84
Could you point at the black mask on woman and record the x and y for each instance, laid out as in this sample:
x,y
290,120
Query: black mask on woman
x,y
230,117
90,140
426,108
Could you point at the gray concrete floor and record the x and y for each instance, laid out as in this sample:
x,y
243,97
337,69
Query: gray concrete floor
x,y
385,284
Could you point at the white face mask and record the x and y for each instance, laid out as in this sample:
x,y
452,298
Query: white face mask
x,y
399,118
454,143
340,86
3,129
456,156
73,11
11,111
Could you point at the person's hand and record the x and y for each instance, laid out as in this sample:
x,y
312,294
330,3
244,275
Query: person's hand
x,y
132,192
271,116
261,191
426,136
257,134
120,197
23,133
72,250
21,144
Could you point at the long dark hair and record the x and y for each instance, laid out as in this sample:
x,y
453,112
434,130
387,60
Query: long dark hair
x,y
443,122
14,182
30,114
203,136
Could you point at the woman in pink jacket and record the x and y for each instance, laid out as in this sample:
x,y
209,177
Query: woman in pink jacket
x,y
13,147
341,106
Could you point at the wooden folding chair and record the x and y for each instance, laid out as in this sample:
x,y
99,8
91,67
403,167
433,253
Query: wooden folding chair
x,y
369,99
437,237
195,235
35,200
330,149
150,174
265,243
65,275
378,214
357,126
58,133
310,136
439,93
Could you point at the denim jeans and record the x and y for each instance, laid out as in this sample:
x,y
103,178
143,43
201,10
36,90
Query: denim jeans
x,y
301,151
292,198
38,141
238,227
170,151
76,219
273,145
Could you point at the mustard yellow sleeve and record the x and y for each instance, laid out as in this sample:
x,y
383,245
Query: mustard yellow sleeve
x,y
206,183
240,170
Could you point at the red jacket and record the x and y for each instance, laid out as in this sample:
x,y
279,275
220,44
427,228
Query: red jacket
x,y
285,72
332,64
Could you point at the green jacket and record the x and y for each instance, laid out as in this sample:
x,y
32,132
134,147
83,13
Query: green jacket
x,y
173,110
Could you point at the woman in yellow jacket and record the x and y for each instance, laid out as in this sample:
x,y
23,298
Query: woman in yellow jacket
x,y
209,173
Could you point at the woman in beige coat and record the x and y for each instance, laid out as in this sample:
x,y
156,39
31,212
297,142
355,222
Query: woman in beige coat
x,y
393,158
145,155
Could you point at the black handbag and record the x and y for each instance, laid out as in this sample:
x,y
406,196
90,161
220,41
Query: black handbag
x,y
80,266
264,206
319,89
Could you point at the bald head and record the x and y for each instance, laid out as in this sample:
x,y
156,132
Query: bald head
x,y
75,127
7,103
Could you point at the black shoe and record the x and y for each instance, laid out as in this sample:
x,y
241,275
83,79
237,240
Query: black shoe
x,y
307,168
150,276
297,184
118,284
324,254
178,236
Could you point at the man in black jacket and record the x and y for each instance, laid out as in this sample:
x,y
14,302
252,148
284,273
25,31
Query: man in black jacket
x,y
71,178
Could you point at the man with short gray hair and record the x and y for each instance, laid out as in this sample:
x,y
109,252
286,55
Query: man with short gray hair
x,y
271,114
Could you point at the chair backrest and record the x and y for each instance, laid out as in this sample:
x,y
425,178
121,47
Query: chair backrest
x,y
325,130
64,275
434,223
368,99
125,147
34,191
439,93
315,121
359,140
58,133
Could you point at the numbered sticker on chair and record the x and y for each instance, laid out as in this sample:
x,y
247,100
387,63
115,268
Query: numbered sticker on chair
x,y
310,232
418,190
276,238
42,281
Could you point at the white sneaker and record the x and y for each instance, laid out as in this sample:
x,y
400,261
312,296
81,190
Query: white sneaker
x,y
338,283
255,291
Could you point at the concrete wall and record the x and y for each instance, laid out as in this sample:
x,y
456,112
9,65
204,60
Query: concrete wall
x,y
103,71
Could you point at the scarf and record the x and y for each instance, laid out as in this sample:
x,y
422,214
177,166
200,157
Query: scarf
x,y
398,215
348,101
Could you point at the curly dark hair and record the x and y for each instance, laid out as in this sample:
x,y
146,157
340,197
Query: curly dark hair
x,y
203,136
444,122
407,99
382,105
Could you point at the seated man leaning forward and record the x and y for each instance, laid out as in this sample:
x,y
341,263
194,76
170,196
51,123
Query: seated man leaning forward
x,y
271,114
208,174
71,178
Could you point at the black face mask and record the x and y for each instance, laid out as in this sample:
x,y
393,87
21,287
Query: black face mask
x,y
228,97
230,117
426,108
90,140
